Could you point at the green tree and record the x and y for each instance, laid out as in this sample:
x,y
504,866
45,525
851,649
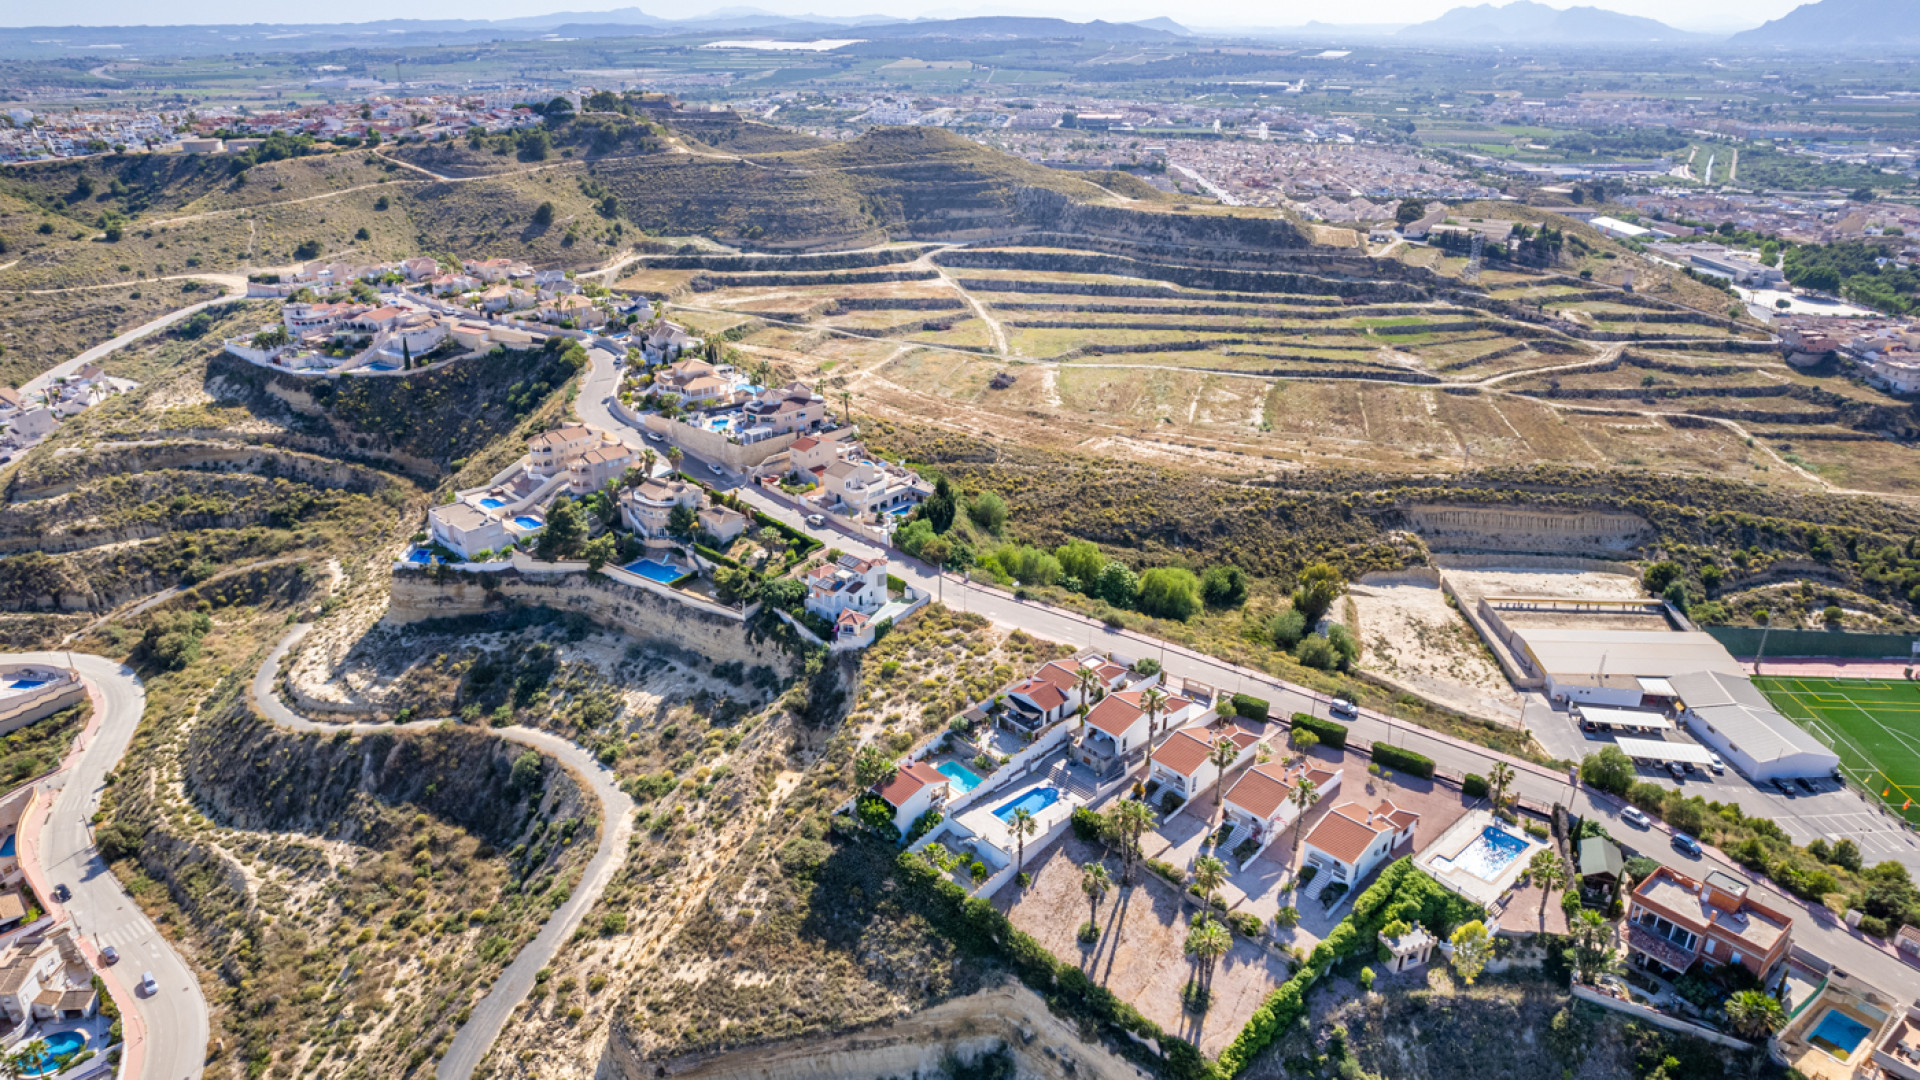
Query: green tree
x,y
566,531
1658,576
1320,585
1224,587
1609,770
1548,872
1095,881
1303,739
599,551
1022,826
543,215
1472,948
1410,211
1209,874
1128,822
1082,561
1755,1013
526,771
1222,755
681,521
1152,701
1287,628
1592,953
1207,942
734,585
1117,585
873,767
1169,592
1499,779
940,507
989,511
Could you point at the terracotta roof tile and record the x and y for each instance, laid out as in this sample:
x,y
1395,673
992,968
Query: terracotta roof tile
x,y
907,782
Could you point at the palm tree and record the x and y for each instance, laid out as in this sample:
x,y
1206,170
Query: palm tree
x,y
1304,793
647,458
1207,942
1755,1014
1095,881
1499,779
1152,700
1130,819
1222,755
1209,874
1548,872
1023,826
674,457
846,405
1088,679
34,1057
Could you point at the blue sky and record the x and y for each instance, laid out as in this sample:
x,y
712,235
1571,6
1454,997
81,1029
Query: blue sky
x,y
1715,15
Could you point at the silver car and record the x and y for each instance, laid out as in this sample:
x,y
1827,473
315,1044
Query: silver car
x,y
148,984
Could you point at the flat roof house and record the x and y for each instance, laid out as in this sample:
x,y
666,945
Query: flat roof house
x,y
1352,840
465,529
1615,667
1675,921
914,790
648,507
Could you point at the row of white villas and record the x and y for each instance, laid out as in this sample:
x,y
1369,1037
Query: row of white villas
x,y
571,460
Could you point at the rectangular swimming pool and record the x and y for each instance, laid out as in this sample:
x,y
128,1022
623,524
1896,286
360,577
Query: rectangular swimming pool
x,y
1032,802
526,522
1838,1034
654,570
959,778
492,503
1491,852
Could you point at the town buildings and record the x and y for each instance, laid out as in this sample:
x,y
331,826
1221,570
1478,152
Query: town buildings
x,y
1674,921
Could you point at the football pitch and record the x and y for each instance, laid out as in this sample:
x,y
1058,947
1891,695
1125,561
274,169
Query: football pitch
x,y
1874,725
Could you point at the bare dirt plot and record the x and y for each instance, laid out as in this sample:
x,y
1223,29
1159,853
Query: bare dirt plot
x,y
1888,467
1471,585
1413,636
1140,395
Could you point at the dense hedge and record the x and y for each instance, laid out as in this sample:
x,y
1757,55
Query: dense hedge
x,y
713,556
1332,734
974,925
1249,706
1406,761
1401,892
1474,786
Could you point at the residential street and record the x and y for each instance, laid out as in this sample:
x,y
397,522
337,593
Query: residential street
x,y
1825,937
175,1020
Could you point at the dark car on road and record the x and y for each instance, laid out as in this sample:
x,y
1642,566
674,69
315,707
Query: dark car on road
x,y
62,893
1784,788
1686,844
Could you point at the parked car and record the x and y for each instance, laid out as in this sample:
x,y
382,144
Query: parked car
x,y
109,954
1588,725
817,521
1716,764
1343,707
1686,844
1674,768
716,470
62,893
1807,785
1637,818
148,984
1688,766
1783,787
655,436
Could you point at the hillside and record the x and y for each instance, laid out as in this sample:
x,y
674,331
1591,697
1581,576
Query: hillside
x,y
1525,21
1839,24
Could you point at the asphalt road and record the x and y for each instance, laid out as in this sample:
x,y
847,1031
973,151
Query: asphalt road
x,y
1836,809
176,1017
60,371
490,1014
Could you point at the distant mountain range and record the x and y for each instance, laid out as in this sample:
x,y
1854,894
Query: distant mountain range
x,y
1525,22
1840,23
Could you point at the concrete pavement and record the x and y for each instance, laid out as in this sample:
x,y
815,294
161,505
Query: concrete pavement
x,y
1539,784
166,1033
490,1014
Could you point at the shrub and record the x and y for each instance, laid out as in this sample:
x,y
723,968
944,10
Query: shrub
x,y
1086,824
1250,707
1287,628
1874,926
1167,870
1474,786
1247,924
1536,830
1287,917
1330,733
1394,757
1224,587
1366,978
1089,933
1170,802
1610,770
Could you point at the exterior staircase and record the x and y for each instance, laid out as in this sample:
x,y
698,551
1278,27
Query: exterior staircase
x,y
1074,781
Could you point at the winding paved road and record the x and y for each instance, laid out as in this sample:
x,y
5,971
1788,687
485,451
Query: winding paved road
x,y
41,381
476,1036
174,1021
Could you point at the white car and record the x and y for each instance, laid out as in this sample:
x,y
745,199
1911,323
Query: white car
x,y
1714,762
1636,818
816,521
148,984
655,436
716,470
1343,707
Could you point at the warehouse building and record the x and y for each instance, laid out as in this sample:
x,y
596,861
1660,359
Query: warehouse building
x,y
1622,668
1726,712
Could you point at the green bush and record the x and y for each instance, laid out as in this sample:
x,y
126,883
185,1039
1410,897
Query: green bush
x,y
1393,757
1251,707
1474,786
1169,592
1249,925
1332,735
1086,824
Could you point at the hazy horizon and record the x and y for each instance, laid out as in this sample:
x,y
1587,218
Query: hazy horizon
x,y
1708,16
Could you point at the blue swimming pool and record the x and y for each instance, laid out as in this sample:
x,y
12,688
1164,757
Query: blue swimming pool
x,y
492,503
526,522
1491,852
959,778
382,365
6,848
654,570
420,555
1032,802
60,1046
901,511
1839,1034
26,684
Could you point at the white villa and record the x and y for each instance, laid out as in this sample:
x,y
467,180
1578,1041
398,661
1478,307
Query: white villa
x,y
1353,839
570,460
1260,804
47,979
914,790
648,507
1184,763
851,584
859,486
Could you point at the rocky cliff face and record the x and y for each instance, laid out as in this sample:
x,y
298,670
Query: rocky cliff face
x,y
416,595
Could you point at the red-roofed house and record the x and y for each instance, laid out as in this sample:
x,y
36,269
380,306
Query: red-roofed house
x,y
1043,697
1261,801
1184,763
914,790
1352,839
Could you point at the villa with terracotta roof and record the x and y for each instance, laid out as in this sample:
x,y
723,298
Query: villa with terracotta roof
x,y
1675,920
915,789
1260,803
1353,839
1184,763
1047,695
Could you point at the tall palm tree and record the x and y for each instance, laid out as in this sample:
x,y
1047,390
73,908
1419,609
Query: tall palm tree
x,y
1023,826
1088,679
1302,797
647,458
1548,872
1222,755
1499,779
1207,942
846,405
1755,1014
1209,874
1152,701
674,457
1130,819
1095,881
